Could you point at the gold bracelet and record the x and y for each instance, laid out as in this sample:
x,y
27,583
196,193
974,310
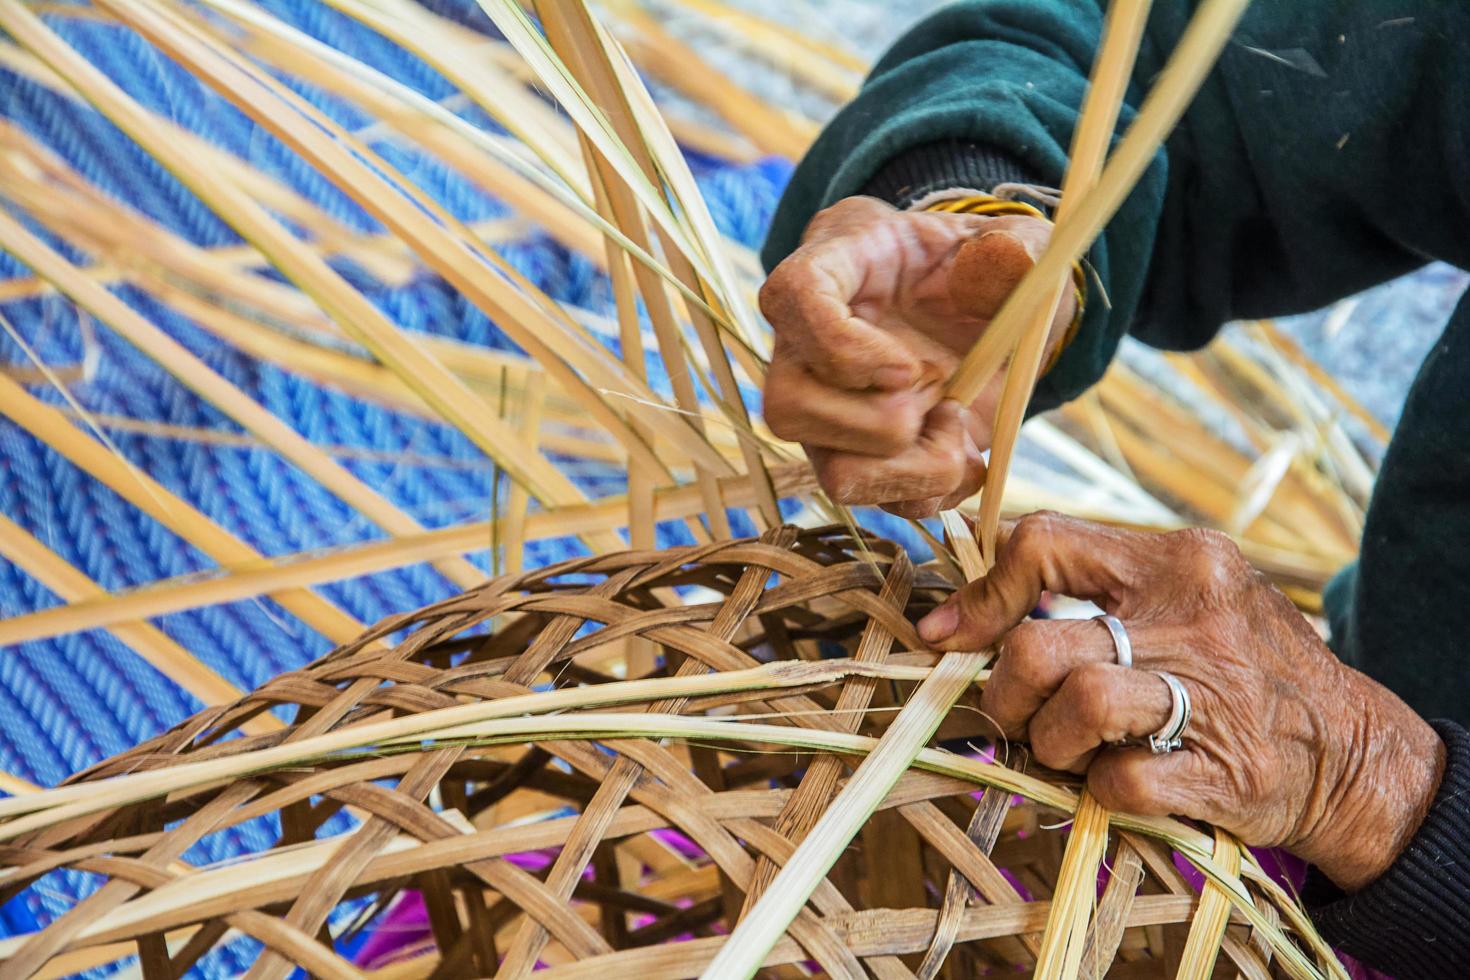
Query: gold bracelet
x,y
988,205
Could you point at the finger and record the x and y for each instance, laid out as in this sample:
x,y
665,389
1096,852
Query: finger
x,y
938,464
1045,552
916,510
1135,780
987,269
806,299
1035,659
1097,704
801,408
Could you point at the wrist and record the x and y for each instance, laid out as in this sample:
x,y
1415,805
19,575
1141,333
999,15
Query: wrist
x,y
1373,787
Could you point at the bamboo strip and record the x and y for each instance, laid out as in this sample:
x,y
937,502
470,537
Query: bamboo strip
x,y
345,305
664,56
1193,57
1065,936
1194,845
516,507
330,234
252,575
1111,71
754,937
520,310
152,498
157,649
616,92
438,238
209,385
1202,947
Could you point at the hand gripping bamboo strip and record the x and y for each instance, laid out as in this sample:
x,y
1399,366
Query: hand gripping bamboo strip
x,y
1208,31
1122,32
754,937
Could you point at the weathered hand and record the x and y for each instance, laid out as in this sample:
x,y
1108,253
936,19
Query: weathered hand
x,y
1287,745
872,314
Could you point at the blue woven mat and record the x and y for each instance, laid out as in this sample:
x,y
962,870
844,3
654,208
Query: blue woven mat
x,y
70,702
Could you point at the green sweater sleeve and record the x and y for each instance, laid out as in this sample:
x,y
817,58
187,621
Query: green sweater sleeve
x,y
1322,155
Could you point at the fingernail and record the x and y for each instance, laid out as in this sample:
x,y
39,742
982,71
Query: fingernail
x,y
940,624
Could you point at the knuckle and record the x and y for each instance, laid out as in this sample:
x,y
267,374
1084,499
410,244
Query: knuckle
x,y
1027,656
1123,786
838,482
1092,689
1211,556
781,296
1047,748
1035,530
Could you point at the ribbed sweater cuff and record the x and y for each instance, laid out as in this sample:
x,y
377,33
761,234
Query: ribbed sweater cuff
x,y
944,164
1414,920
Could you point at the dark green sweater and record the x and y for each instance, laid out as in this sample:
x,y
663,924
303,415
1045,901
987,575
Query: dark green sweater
x,y
1328,151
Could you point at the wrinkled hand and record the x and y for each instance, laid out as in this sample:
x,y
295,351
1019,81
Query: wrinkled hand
x,y
872,314
1287,745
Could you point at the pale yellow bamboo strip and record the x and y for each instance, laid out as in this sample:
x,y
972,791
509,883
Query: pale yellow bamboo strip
x,y
1202,947
215,389
250,577
1292,351
344,304
623,209
519,500
52,428
156,648
331,235
766,34
15,786
407,112
755,935
1208,31
433,37
509,298
114,230
770,127
715,261
430,36
1065,935
641,482
245,257
1107,86
204,435
459,721
694,244
638,124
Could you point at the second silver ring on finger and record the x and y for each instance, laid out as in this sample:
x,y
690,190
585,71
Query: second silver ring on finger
x,y
1171,735
1121,644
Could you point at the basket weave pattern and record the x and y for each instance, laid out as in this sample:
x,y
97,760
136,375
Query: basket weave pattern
x,y
595,855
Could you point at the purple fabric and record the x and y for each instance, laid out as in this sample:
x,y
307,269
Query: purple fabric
x,y
405,924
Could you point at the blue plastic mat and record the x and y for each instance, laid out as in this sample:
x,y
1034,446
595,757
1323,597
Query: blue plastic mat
x,y
70,702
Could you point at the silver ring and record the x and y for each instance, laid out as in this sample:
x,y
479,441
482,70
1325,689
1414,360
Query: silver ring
x,y
1171,735
1121,643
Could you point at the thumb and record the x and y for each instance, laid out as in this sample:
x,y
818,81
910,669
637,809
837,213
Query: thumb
x,y
1042,552
986,270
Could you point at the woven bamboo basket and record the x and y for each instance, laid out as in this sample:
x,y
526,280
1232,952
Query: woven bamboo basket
x,y
496,770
